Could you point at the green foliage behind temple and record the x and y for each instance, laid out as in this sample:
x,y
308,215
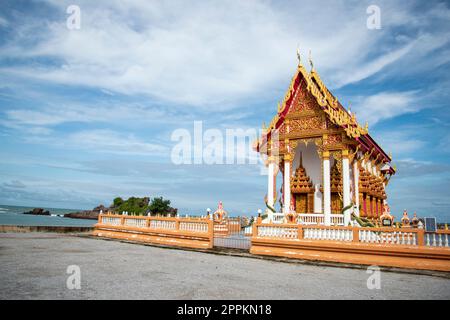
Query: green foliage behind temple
x,y
142,206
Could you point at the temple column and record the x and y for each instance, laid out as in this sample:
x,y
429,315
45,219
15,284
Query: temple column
x,y
270,182
380,211
326,187
362,201
346,186
374,208
287,183
356,190
369,206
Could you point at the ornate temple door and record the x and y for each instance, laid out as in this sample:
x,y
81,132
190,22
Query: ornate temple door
x,y
336,203
301,203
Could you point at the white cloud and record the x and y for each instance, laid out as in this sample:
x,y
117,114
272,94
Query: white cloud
x,y
213,53
59,114
400,142
366,70
110,141
3,22
103,141
14,184
386,105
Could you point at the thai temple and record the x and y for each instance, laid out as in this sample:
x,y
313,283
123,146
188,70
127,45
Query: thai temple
x,y
332,200
331,167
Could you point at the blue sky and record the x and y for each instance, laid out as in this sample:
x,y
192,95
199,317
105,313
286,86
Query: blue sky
x,y
87,115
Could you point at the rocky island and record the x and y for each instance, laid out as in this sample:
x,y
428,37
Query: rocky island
x,y
88,214
133,206
38,212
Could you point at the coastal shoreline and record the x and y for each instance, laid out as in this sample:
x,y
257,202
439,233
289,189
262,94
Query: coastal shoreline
x,y
51,229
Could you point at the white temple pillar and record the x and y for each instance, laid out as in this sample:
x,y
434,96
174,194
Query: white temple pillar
x,y
326,188
270,182
287,183
346,186
356,190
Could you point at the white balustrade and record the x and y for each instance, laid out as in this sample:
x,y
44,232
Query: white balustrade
x,y
437,239
248,231
193,226
111,221
278,232
324,233
337,219
388,237
274,217
139,223
319,219
162,224
311,218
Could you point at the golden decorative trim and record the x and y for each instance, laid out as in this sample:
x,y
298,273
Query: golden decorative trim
x,y
345,153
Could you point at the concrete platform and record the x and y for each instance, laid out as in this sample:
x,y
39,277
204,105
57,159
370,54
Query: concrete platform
x,y
34,266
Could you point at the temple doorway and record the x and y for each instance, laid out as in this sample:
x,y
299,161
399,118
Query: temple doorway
x,y
306,179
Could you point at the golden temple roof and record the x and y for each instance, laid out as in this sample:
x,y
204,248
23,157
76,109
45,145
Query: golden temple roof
x,y
330,105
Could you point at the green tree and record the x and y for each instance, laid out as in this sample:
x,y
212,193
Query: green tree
x,y
133,205
117,202
160,206
141,206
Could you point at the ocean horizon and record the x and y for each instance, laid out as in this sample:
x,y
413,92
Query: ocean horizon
x,y
13,215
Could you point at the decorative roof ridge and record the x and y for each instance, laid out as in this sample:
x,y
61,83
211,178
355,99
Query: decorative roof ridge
x,y
289,94
336,113
329,104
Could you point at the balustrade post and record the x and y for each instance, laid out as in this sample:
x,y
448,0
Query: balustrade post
x,y
177,224
420,237
122,220
355,234
255,228
211,233
300,232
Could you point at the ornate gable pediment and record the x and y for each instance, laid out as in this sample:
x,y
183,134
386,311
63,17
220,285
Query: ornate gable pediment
x,y
309,110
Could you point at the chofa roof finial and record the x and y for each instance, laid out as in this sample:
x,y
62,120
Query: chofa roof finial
x,y
299,57
310,60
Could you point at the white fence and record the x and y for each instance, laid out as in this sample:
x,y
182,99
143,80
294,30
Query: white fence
x,y
278,231
399,236
324,233
437,239
306,219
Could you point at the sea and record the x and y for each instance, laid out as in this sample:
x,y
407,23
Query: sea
x,y
13,215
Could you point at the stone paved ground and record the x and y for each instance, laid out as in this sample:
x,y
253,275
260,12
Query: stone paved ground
x,y
34,265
